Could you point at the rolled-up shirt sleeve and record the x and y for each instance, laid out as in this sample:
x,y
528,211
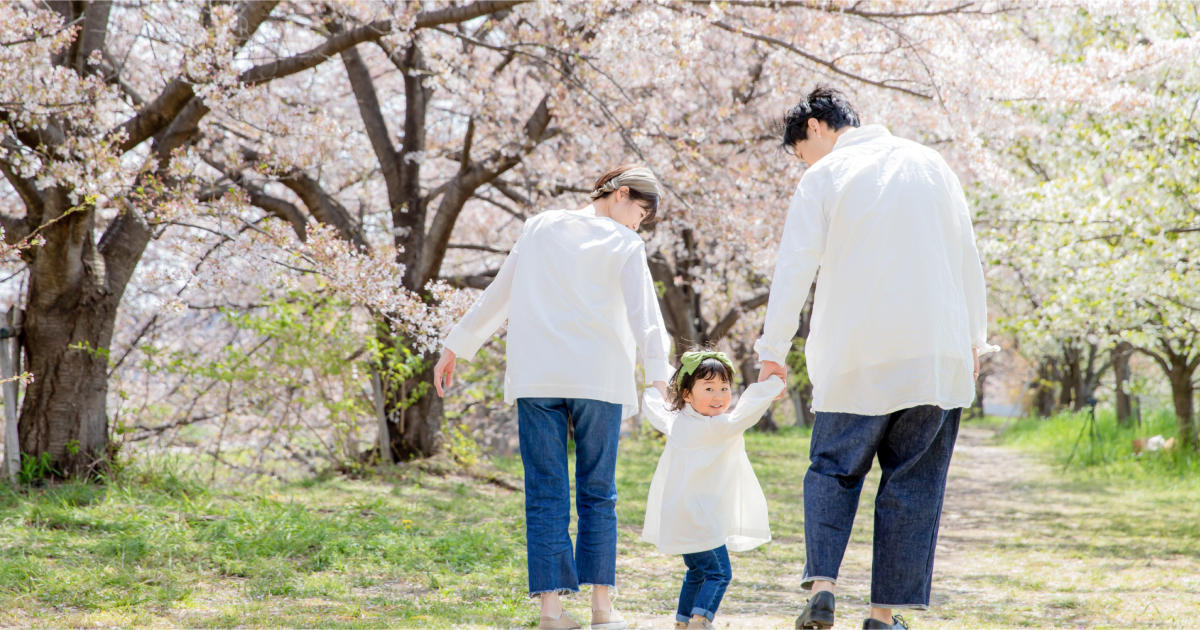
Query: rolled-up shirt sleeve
x,y
645,318
487,313
799,257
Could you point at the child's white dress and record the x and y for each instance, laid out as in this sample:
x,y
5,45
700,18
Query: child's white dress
x,y
704,493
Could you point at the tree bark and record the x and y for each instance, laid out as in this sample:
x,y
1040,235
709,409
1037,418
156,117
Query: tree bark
x,y
69,319
1120,360
1043,388
1182,394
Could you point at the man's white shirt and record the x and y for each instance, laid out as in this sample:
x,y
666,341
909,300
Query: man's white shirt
x,y
900,299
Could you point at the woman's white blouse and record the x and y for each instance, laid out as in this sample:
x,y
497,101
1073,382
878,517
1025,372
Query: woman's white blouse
x,y
900,298
704,493
580,305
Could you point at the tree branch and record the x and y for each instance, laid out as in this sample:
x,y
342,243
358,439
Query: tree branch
x,y
722,327
155,117
474,281
372,117
852,9
467,180
95,29
745,32
372,31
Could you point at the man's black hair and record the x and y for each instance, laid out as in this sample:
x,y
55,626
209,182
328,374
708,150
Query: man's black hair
x,y
823,103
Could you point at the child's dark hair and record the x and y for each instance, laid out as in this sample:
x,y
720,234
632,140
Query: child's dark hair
x,y
681,384
823,103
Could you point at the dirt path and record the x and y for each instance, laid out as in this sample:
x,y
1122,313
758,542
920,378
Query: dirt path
x,y
1016,549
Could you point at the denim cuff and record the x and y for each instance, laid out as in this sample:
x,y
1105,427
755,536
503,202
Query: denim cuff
x,y
682,619
704,613
807,583
902,606
557,591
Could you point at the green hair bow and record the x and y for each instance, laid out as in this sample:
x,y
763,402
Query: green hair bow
x,y
692,360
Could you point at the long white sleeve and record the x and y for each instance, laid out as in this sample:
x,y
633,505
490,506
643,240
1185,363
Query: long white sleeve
x,y
654,408
753,403
645,318
799,256
973,283
487,313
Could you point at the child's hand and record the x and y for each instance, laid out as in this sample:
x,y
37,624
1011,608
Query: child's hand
x,y
771,368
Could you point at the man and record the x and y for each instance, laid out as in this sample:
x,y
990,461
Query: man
x,y
898,324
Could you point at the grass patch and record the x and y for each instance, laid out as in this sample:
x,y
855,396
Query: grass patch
x,y
430,546
1103,449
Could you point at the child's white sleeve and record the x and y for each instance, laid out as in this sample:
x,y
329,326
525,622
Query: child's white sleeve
x,y
753,404
655,410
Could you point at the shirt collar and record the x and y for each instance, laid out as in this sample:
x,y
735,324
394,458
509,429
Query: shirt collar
x,y
859,135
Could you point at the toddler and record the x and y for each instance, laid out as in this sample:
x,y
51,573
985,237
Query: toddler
x,y
704,498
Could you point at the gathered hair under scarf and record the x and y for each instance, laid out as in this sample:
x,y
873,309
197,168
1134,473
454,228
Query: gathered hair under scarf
x,y
638,178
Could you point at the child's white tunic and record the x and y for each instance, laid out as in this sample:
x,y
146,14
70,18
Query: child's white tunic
x,y
580,305
704,493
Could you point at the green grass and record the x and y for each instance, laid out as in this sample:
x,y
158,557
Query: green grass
x,y
1103,450
435,546
410,549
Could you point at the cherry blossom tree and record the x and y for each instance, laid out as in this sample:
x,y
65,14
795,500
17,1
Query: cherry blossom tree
x,y
104,129
1100,241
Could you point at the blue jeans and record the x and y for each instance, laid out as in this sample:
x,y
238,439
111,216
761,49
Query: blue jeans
x,y
704,584
914,447
553,568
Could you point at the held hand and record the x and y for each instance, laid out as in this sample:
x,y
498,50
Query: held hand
x,y
771,368
661,386
443,372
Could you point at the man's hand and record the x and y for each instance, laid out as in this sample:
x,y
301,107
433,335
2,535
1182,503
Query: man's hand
x,y
771,368
443,372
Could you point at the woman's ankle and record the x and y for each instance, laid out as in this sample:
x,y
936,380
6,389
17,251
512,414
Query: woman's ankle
x,y
551,605
601,598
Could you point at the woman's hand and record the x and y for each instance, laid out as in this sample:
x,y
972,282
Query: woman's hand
x,y
661,386
443,372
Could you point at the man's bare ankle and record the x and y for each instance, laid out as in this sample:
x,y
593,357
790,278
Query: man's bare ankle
x,y
823,586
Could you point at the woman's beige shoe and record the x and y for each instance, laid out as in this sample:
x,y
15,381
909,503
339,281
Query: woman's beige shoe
x,y
681,625
608,620
562,622
700,623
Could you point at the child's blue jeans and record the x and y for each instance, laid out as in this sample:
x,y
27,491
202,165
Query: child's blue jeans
x,y
542,427
913,446
704,584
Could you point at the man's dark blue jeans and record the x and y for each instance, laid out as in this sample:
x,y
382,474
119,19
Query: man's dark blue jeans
x,y
914,447
704,585
542,430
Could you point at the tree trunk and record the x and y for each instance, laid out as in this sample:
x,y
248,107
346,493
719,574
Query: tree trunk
x,y
69,320
416,426
1182,393
1120,361
1069,378
1043,388
802,403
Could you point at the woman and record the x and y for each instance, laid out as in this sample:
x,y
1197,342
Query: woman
x,y
580,304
